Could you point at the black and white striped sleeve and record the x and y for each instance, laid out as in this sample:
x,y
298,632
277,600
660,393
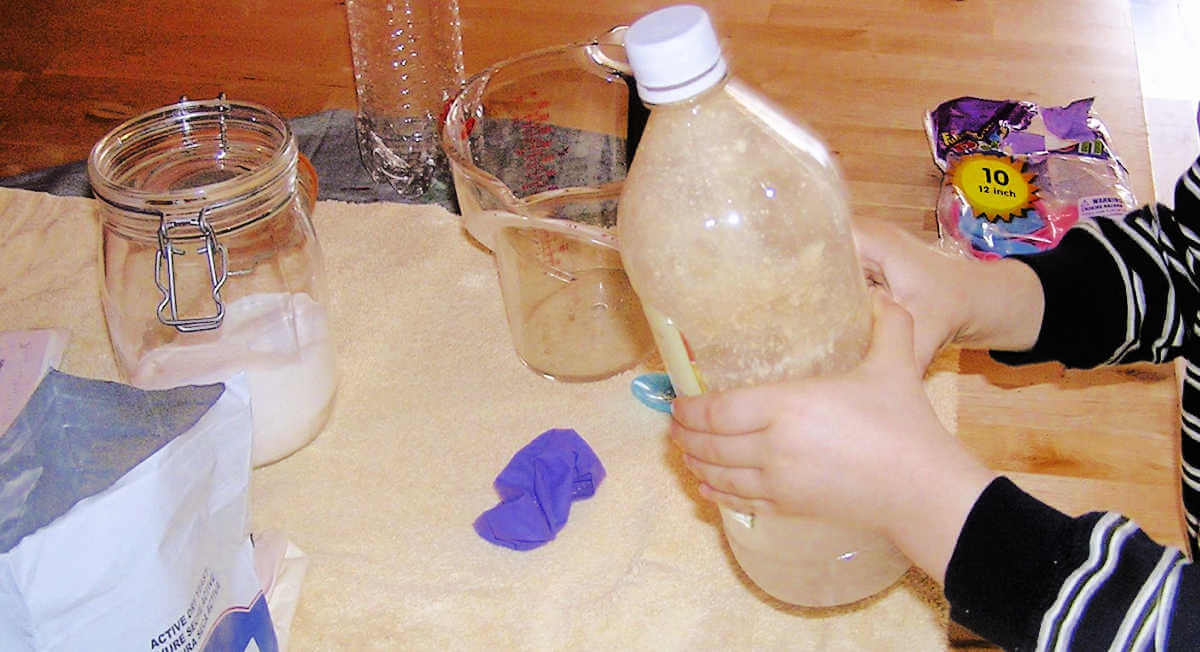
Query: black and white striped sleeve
x,y
1028,577
1116,291
1031,578
1126,290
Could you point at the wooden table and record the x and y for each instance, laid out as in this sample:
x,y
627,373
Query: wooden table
x,y
862,73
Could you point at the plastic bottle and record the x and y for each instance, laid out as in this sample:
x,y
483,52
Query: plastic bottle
x,y
407,65
734,231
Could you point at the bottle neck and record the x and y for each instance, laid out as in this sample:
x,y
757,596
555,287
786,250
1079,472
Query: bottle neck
x,y
232,163
698,96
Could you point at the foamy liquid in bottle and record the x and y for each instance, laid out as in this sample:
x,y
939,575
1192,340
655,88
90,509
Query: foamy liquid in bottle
x,y
734,231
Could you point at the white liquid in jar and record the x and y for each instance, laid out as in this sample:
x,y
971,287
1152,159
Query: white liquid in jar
x,y
281,341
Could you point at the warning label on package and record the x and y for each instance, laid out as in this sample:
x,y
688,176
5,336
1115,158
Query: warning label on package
x,y
1101,206
185,633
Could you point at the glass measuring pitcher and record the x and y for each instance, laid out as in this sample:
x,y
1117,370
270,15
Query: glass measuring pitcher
x,y
211,265
539,145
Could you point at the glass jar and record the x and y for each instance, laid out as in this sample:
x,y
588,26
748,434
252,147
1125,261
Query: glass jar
x,y
211,265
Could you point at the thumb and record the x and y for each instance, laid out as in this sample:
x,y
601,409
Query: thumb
x,y
892,337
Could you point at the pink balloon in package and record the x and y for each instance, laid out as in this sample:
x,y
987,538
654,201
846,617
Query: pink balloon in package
x,y
1016,175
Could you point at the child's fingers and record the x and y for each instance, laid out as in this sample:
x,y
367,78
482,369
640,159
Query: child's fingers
x,y
892,339
733,412
736,503
742,450
745,484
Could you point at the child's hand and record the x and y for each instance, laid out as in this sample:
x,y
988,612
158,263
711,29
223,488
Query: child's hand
x,y
926,282
996,304
863,448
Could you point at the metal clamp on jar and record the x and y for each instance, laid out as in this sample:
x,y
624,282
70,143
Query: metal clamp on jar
x,y
211,264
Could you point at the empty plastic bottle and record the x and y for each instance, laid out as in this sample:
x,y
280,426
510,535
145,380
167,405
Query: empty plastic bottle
x,y
407,65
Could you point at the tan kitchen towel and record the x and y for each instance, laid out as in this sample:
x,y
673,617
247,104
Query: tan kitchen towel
x,y
431,405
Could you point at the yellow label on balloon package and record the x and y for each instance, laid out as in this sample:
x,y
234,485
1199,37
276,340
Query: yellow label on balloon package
x,y
998,187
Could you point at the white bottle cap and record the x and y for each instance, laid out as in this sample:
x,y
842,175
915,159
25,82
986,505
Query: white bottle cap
x,y
674,54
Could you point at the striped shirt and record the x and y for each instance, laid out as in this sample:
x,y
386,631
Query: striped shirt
x,y
1031,578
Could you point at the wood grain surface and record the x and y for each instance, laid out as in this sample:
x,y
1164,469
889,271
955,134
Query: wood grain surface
x,y
862,73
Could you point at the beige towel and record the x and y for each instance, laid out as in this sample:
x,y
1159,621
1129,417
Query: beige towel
x,y
432,404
